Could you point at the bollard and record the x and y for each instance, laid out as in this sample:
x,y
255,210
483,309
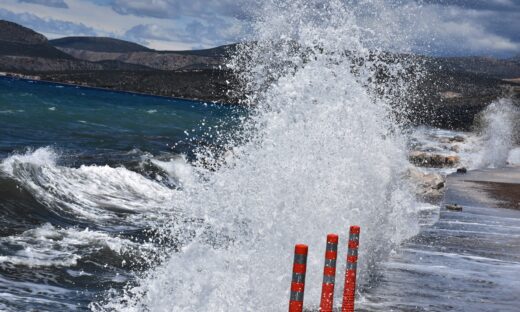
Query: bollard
x,y
298,278
349,292
329,274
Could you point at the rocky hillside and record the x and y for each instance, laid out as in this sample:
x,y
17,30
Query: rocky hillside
x,y
23,50
107,49
12,32
16,40
98,44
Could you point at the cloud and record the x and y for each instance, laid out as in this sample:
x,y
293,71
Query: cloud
x,y
142,33
51,3
151,8
447,27
47,26
196,33
482,28
175,8
433,27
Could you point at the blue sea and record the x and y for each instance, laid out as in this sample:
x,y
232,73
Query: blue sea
x,y
78,168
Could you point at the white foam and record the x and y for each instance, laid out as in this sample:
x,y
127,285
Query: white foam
x,y
514,157
177,169
499,120
100,193
48,246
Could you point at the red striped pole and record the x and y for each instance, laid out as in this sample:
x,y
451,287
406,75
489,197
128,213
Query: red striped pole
x,y
349,292
298,278
329,274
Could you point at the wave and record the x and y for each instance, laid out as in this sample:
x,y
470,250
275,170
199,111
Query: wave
x,y
319,152
49,246
499,128
103,194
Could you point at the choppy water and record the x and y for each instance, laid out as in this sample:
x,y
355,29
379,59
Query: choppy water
x,y
85,176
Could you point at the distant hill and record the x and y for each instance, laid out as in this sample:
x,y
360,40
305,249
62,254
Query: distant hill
x,y
16,40
12,32
26,51
94,49
98,44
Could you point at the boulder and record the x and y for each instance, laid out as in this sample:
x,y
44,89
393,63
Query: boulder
x,y
424,159
455,148
428,186
453,207
462,170
457,138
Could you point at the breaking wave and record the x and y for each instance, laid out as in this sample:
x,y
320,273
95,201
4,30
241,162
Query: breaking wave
x,y
320,151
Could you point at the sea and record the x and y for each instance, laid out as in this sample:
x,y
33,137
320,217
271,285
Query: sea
x,y
81,170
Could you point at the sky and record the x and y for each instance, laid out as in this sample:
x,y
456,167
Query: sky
x,y
440,27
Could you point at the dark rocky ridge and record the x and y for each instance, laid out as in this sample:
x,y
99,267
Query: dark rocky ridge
x,y
12,32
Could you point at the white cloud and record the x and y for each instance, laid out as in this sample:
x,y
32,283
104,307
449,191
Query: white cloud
x,y
49,27
461,31
51,3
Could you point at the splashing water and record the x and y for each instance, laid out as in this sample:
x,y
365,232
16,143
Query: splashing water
x,y
318,153
499,121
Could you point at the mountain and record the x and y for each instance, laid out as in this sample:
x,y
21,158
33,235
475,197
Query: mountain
x,y
98,44
16,40
12,32
222,51
95,49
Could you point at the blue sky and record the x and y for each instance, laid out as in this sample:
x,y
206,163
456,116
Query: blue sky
x,y
456,27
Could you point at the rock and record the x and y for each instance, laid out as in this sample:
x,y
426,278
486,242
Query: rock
x,y
453,207
423,159
455,148
452,160
462,170
457,138
429,186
